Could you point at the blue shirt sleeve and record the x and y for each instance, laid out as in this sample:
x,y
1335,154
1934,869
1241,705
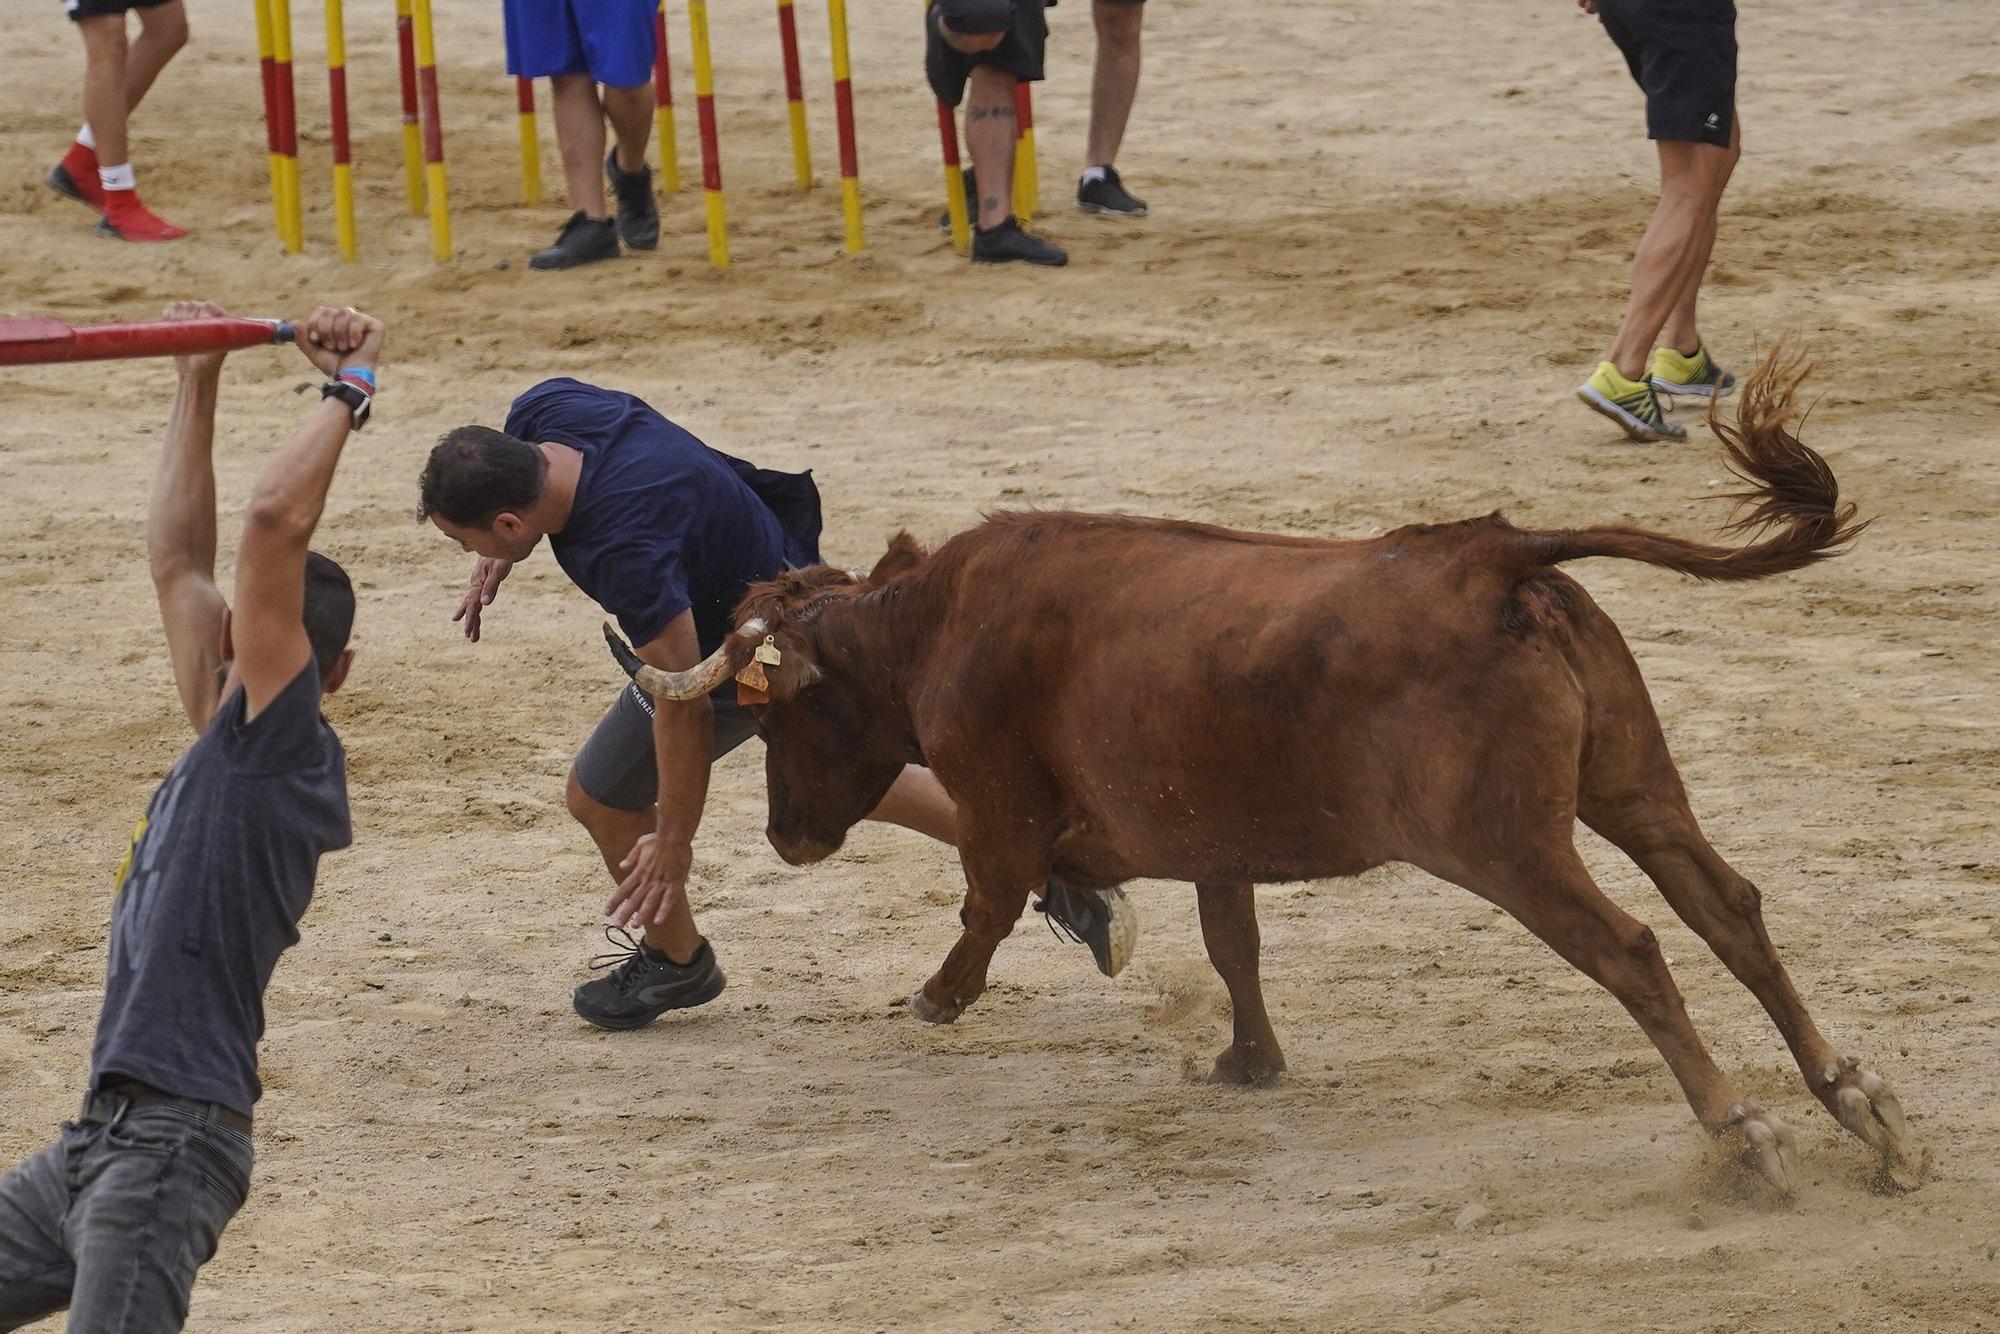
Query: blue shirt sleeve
x,y
644,584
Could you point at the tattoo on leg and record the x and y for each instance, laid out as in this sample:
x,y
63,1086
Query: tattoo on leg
x,y
991,113
991,201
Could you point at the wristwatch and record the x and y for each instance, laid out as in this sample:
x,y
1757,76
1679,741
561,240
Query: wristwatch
x,y
357,399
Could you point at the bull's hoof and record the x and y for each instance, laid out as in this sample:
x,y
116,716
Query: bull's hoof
x,y
1246,1063
1765,1145
1863,1102
922,1006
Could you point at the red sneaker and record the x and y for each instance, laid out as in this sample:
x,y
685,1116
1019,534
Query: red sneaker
x,y
75,177
129,220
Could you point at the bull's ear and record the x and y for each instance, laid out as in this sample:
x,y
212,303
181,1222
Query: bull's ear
x,y
904,554
797,668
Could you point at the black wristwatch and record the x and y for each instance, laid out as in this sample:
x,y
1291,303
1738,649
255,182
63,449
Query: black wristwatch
x,y
353,395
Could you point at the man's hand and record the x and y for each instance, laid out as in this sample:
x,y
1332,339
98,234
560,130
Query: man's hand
x,y
1587,6
334,338
487,572
196,365
655,879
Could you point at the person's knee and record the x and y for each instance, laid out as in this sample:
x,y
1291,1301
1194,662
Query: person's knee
x,y
991,83
166,24
103,39
1118,25
585,809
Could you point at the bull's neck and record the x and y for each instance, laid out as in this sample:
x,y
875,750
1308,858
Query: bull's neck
x,y
879,642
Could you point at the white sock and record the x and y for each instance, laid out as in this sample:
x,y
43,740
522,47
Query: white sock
x,y
120,177
1092,174
85,137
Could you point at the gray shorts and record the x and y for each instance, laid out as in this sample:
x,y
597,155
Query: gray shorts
x,y
617,766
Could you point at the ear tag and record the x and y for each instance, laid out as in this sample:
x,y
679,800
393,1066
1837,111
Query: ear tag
x,y
753,677
747,694
767,652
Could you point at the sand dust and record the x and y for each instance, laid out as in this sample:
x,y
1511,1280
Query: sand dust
x,y
1387,240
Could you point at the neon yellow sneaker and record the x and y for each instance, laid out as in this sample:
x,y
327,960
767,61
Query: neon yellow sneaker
x,y
1689,377
1630,403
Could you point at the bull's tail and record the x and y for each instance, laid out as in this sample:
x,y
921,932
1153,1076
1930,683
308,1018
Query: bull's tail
x,y
1793,504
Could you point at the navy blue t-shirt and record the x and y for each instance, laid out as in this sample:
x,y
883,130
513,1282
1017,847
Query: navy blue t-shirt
x,y
211,892
661,523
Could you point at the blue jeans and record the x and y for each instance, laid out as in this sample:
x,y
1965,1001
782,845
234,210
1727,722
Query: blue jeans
x,y
112,1221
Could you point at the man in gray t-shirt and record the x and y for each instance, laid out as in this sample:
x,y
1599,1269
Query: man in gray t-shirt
x,y
114,1219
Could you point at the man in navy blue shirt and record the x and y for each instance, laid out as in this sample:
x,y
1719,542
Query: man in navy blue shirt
x,y
665,534
114,1219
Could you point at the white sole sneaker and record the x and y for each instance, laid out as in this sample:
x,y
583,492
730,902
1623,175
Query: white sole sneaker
x,y
1636,427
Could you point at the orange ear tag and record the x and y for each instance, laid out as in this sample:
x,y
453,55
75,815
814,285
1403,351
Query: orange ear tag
x,y
747,694
752,685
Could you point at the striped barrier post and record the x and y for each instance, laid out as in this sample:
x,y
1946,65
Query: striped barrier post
x,y
288,125
663,105
267,65
711,152
336,95
1027,182
531,145
413,139
427,96
843,111
795,95
954,179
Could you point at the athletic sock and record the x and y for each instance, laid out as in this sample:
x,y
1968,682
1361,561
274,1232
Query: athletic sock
x,y
86,138
120,177
1091,174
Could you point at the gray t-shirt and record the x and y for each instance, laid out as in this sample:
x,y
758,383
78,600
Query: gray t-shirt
x,y
211,892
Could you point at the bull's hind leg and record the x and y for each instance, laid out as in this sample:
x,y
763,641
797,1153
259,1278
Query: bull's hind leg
x,y
1229,929
1554,897
1659,832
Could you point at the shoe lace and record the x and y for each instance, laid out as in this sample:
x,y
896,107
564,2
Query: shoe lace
x,y
1052,911
624,960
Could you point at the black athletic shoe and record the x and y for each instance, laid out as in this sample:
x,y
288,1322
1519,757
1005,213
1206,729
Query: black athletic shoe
x,y
1008,244
971,202
581,241
64,184
1108,194
638,215
642,985
1105,920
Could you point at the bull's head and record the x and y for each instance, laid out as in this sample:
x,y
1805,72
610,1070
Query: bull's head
x,y
834,743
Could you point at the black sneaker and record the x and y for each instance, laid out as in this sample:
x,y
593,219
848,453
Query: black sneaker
x,y
638,215
1107,194
1008,244
642,985
582,240
971,202
1103,919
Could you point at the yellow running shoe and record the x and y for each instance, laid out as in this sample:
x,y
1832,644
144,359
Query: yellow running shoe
x,y
1630,403
1689,377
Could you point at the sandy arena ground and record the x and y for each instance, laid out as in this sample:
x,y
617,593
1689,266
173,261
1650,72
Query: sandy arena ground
x,y
1387,241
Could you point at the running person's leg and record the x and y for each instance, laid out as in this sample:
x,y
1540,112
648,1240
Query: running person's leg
x,y
618,38
1114,84
117,74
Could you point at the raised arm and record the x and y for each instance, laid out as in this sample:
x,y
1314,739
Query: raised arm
x,y
180,529
267,629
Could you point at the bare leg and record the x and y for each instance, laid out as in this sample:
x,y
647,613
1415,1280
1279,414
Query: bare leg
x,y
989,136
615,831
580,133
1114,79
1681,332
1229,929
918,801
1675,245
1554,897
163,31
630,111
104,57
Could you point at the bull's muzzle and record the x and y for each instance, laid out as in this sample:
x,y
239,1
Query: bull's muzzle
x,y
693,683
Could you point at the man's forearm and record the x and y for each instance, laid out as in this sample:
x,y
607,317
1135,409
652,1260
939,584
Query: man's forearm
x,y
180,522
684,740
291,490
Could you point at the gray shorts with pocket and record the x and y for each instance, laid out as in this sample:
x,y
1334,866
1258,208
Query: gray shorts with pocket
x,y
617,766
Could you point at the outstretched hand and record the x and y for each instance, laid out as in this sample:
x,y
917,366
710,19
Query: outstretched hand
x,y
1587,6
655,880
196,364
487,572
334,338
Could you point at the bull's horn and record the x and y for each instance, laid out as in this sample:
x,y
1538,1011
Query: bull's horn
x,y
693,683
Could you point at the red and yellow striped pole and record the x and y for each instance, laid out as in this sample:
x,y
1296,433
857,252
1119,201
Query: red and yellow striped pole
x,y
843,112
413,137
267,64
795,95
1027,182
531,144
711,151
336,101
663,104
954,179
427,97
288,125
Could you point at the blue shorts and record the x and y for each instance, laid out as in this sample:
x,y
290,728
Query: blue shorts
x,y
610,40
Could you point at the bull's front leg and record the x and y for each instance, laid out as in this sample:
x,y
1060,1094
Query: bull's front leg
x,y
996,890
1229,929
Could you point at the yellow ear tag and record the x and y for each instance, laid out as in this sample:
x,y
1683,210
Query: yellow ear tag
x,y
767,652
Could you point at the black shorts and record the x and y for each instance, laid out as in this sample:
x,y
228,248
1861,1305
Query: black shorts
x,y
1683,54
617,766
97,9
1019,52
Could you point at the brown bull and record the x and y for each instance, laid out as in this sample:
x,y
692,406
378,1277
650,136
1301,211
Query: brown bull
x,y
1111,698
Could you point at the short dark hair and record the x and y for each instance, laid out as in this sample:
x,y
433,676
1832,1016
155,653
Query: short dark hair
x,y
475,472
329,610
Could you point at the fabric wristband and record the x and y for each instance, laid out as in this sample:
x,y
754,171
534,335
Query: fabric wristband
x,y
360,377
